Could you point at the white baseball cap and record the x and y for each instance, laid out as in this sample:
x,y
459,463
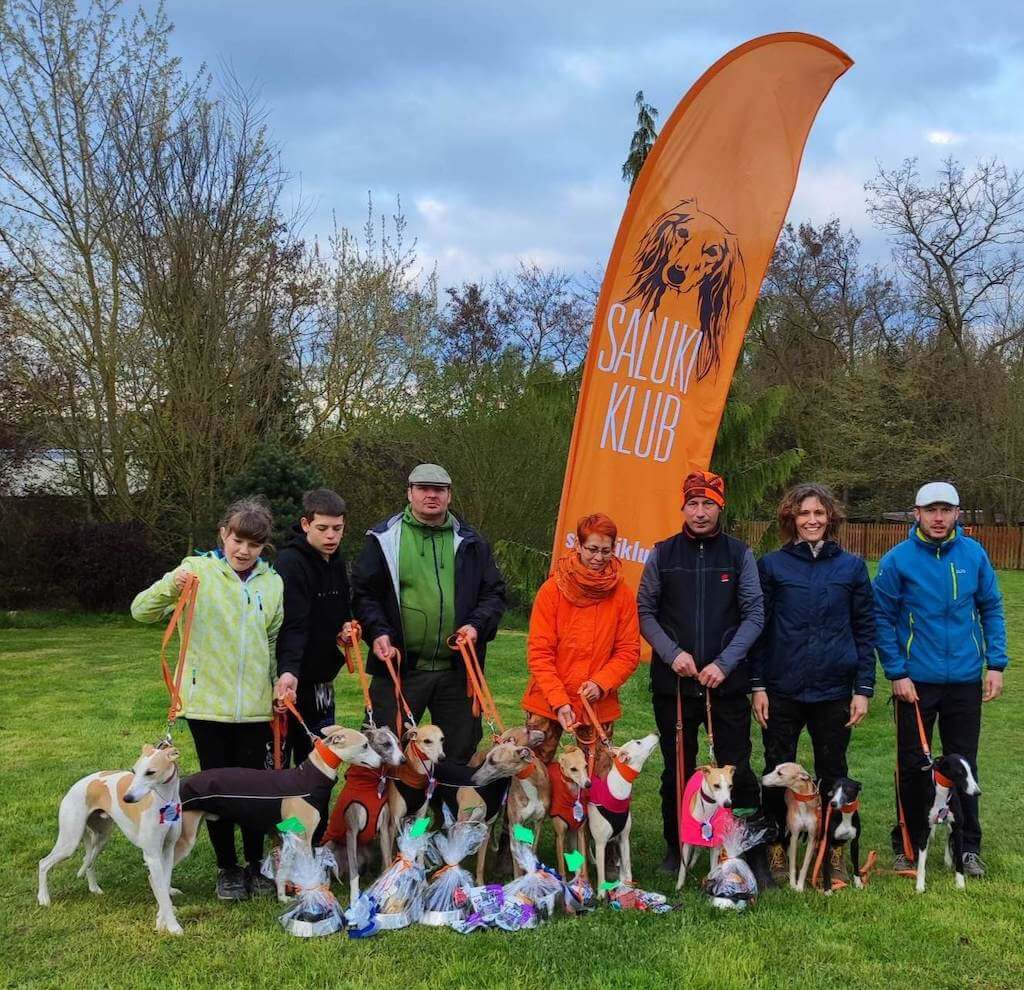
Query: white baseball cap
x,y
937,491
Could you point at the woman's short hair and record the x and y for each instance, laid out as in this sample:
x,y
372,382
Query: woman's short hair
x,y
248,518
598,523
790,506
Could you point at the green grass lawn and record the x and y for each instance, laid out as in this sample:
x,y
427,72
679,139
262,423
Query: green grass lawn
x,y
84,694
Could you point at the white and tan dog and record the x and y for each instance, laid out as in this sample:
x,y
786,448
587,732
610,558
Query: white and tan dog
x,y
608,816
803,812
144,803
714,793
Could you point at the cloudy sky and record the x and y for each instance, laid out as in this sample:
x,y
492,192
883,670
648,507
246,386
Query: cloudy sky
x,y
503,126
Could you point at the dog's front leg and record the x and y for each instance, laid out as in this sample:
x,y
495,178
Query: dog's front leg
x,y
625,864
481,858
922,856
160,882
958,852
826,867
812,834
189,830
599,848
794,840
560,849
858,880
684,863
352,854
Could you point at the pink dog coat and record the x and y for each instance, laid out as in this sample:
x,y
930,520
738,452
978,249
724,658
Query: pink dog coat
x,y
691,831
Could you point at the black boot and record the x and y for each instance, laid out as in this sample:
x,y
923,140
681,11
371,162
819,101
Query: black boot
x,y
670,864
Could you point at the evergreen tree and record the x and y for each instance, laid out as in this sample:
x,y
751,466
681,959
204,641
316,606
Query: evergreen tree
x,y
644,136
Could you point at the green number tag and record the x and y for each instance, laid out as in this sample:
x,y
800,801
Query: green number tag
x,y
523,834
291,825
574,860
419,827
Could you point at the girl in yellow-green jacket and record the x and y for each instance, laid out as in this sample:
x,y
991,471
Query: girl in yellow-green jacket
x,y
227,686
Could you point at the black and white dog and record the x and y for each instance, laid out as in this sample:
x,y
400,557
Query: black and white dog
x,y
843,811
951,778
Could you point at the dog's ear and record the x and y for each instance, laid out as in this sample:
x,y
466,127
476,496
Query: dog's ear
x,y
172,754
572,750
524,753
410,735
148,750
804,775
704,770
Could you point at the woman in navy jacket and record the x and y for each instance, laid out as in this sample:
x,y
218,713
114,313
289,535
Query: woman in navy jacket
x,y
814,664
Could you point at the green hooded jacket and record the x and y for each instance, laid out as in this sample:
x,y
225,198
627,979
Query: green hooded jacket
x,y
230,665
427,586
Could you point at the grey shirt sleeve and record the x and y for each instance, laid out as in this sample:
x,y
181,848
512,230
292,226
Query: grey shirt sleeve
x,y
751,601
647,596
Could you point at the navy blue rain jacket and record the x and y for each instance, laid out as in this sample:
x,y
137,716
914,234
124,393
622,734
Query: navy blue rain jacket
x,y
819,630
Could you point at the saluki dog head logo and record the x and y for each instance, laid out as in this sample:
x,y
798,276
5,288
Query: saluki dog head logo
x,y
686,249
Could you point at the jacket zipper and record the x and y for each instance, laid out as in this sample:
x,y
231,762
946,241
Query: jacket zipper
x,y
241,652
952,571
440,616
910,638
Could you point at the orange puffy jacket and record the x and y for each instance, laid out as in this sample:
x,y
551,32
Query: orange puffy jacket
x,y
570,644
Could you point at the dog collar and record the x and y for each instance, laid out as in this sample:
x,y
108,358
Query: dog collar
x,y
941,779
625,770
805,798
527,771
418,753
849,809
327,754
706,798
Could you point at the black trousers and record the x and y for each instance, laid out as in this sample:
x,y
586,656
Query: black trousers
x,y
443,694
957,708
730,717
315,703
826,725
232,744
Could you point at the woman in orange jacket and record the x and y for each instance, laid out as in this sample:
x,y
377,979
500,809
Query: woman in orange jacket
x,y
584,638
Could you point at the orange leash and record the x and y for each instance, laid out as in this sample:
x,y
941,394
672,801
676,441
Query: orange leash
x,y
476,684
680,764
820,858
908,846
355,662
710,727
181,619
599,735
401,705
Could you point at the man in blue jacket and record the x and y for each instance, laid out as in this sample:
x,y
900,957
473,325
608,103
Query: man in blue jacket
x,y
941,638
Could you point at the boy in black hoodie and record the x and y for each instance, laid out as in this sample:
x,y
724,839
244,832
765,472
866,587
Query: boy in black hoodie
x,y
316,609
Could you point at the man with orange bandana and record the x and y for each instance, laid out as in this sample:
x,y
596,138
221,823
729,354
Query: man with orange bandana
x,y
701,609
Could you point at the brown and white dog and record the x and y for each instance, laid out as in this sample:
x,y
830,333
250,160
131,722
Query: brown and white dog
x,y
529,800
566,818
803,812
409,786
262,798
144,803
608,816
480,789
715,792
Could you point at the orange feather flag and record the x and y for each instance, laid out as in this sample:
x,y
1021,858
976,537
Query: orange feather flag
x,y
693,246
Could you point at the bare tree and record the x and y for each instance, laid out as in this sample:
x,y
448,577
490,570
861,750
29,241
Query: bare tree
x,y
69,83
358,342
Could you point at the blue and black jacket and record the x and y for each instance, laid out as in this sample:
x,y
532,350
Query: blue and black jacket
x,y
819,631
939,611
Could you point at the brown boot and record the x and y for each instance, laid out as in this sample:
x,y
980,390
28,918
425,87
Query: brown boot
x,y
778,864
840,875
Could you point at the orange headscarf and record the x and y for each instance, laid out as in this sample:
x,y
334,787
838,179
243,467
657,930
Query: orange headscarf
x,y
581,585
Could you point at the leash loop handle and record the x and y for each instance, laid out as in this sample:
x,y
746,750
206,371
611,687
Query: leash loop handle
x,y
181,620
476,684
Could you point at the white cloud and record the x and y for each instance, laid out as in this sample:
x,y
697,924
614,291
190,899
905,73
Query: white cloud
x,y
943,137
434,211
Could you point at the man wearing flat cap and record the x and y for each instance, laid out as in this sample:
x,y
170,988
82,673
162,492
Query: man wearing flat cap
x,y
941,639
701,609
424,575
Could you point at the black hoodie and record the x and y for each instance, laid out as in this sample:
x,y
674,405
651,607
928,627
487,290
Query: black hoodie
x,y
316,606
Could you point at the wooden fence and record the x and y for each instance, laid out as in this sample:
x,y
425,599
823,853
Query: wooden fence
x,y
1005,544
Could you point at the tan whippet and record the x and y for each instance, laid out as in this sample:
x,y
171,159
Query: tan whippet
x,y
803,811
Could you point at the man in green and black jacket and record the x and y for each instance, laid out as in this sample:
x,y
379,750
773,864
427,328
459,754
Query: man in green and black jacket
x,y
423,575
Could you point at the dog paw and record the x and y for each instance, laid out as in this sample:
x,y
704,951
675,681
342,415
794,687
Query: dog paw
x,y
827,893
95,889
961,882
44,900
174,892
858,883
